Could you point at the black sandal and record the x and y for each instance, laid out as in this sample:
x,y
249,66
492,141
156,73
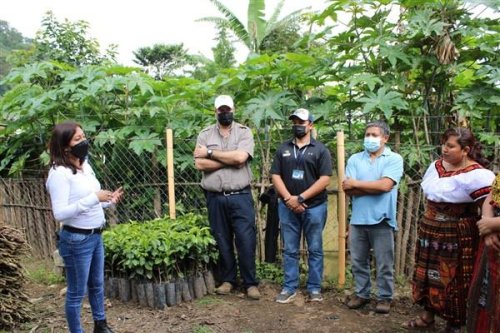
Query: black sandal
x,y
414,325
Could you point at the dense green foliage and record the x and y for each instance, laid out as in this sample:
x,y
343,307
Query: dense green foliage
x,y
68,42
162,59
259,34
161,249
433,66
10,40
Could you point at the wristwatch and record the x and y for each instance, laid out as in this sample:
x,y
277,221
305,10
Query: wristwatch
x,y
300,199
209,153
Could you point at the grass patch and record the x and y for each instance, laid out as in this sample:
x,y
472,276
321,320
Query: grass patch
x,y
208,300
202,329
41,272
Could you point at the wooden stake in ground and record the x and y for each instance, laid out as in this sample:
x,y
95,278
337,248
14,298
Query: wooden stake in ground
x,y
341,206
170,173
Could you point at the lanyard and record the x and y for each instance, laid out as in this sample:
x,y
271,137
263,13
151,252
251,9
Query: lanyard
x,y
300,156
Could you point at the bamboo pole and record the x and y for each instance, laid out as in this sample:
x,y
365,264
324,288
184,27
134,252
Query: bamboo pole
x,y
170,173
341,207
399,235
406,229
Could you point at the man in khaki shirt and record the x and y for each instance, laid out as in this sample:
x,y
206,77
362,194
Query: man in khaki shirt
x,y
222,153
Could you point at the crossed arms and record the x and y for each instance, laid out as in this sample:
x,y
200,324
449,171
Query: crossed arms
x,y
364,187
219,159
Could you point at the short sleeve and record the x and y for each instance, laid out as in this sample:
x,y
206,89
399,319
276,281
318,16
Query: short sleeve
x,y
350,171
325,163
202,138
245,142
276,165
394,168
479,185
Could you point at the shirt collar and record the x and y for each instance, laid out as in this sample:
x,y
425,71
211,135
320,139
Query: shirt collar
x,y
385,152
312,142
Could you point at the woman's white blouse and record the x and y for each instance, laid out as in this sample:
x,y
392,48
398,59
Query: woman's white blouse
x,y
73,197
461,186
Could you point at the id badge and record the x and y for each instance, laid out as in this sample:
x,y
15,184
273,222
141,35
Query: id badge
x,y
298,174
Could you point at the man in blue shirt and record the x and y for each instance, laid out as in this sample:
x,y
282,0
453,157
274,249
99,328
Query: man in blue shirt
x,y
372,178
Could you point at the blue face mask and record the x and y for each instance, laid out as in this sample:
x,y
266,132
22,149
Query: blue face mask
x,y
371,144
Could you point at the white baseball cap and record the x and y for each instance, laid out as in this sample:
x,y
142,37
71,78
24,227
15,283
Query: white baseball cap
x,y
224,100
302,114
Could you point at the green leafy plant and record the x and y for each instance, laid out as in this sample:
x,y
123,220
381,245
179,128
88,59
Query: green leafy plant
x,y
160,249
269,272
44,276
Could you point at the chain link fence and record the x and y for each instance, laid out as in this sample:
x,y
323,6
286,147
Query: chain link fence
x,y
143,176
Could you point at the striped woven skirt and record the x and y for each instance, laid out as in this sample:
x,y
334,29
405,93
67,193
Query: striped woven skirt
x,y
484,294
448,240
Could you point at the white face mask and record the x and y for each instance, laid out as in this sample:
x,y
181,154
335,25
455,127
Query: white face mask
x,y
371,144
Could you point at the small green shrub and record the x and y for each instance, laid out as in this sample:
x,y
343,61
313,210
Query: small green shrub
x,y
269,272
160,249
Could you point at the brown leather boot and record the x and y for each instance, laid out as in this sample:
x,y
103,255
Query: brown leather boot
x,y
224,289
253,293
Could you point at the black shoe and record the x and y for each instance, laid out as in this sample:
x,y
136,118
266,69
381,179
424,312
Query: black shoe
x,y
100,326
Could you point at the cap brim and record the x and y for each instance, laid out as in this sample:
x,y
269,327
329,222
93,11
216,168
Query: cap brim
x,y
295,116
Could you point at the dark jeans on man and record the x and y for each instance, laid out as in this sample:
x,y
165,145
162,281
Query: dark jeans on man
x,y
232,220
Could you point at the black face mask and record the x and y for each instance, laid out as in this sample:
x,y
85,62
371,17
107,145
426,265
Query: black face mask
x,y
225,118
299,131
80,150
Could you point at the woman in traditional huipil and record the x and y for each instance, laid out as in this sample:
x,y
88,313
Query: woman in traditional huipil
x,y
448,237
483,315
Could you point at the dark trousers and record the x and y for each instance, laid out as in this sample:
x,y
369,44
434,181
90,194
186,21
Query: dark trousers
x,y
232,220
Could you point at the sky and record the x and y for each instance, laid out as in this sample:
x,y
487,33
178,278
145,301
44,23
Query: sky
x,y
135,24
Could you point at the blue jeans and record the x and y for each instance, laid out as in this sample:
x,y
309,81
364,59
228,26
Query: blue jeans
x,y
312,221
232,221
379,237
83,257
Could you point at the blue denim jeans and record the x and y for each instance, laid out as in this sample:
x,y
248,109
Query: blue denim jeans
x,y
380,238
232,221
312,221
83,257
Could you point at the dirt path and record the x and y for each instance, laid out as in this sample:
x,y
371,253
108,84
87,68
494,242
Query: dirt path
x,y
233,313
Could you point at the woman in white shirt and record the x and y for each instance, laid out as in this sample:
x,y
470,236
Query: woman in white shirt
x,y
448,237
77,203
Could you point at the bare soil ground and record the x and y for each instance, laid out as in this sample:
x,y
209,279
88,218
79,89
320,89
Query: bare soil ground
x,y
232,313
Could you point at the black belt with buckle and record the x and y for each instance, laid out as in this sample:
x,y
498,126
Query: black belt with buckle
x,y
83,231
229,193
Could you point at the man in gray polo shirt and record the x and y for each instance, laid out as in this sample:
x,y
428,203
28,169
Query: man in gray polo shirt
x,y
222,153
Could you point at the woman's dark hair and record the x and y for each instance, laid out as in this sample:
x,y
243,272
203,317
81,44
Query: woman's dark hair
x,y
465,138
59,142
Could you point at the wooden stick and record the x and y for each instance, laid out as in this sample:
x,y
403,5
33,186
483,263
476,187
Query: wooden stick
x,y
341,207
170,173
399,235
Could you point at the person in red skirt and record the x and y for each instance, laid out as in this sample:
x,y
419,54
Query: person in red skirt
x,y
483,314
448,238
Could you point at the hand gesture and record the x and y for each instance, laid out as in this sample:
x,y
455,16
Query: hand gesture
x,y
117,195
104,195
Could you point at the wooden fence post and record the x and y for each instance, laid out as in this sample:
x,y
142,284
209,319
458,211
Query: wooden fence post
x,y
170,173
341,207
